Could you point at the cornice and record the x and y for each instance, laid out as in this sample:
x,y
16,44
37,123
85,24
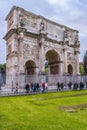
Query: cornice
x,y
34,35
9,33
75,45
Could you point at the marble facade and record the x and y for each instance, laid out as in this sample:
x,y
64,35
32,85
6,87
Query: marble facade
x,y
31,39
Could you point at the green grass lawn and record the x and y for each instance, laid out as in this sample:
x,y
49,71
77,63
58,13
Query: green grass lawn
x,y
49,111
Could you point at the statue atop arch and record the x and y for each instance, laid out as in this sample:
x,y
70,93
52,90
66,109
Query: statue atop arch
x,y
42,26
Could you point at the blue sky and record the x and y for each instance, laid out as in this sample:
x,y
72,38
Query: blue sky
x,y
72,13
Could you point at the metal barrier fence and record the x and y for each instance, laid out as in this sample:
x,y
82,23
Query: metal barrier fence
x,y
20,81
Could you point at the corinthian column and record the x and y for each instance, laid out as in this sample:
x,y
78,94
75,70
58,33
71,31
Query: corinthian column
x,y
77,63
77,60
41,55
65,60
20,49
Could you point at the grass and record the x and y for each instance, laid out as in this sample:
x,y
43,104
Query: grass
x,y
49,111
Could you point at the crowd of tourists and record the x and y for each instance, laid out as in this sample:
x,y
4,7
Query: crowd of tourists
x,y
60,86
35,87
75,86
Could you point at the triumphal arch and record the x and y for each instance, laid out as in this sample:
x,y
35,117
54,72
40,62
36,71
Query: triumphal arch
x,y
33,39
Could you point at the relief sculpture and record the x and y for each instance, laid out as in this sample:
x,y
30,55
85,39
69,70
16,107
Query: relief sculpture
x,y
70,56
26,50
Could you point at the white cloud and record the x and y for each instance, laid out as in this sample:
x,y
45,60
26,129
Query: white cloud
x,y
64,4
52,1
75,13
59,2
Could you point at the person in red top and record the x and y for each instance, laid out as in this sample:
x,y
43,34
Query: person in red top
x,y
43,86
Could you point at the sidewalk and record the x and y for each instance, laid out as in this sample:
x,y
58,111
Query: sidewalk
x,y
22,91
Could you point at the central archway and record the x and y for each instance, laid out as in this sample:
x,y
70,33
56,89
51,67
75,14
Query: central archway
x,y
53,61
30,67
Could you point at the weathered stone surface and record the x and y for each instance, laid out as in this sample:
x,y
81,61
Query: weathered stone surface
x,y
31,39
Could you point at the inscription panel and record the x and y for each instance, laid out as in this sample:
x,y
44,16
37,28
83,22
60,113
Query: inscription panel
x,y
54,32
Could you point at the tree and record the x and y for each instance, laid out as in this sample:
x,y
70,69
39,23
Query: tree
x,y
85,62
2,67
81,67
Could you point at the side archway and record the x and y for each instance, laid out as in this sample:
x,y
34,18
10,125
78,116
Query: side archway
x,y
70,69
30,67
53,61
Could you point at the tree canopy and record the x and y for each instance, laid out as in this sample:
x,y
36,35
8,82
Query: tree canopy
x,y
3,67
85,61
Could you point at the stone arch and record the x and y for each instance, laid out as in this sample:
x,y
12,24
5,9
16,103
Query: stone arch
x,y
53,59
70,69
30,67
57,51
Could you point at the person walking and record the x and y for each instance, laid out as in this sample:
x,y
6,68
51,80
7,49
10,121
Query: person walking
x,y
27,87
43,86
16,89
58,86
